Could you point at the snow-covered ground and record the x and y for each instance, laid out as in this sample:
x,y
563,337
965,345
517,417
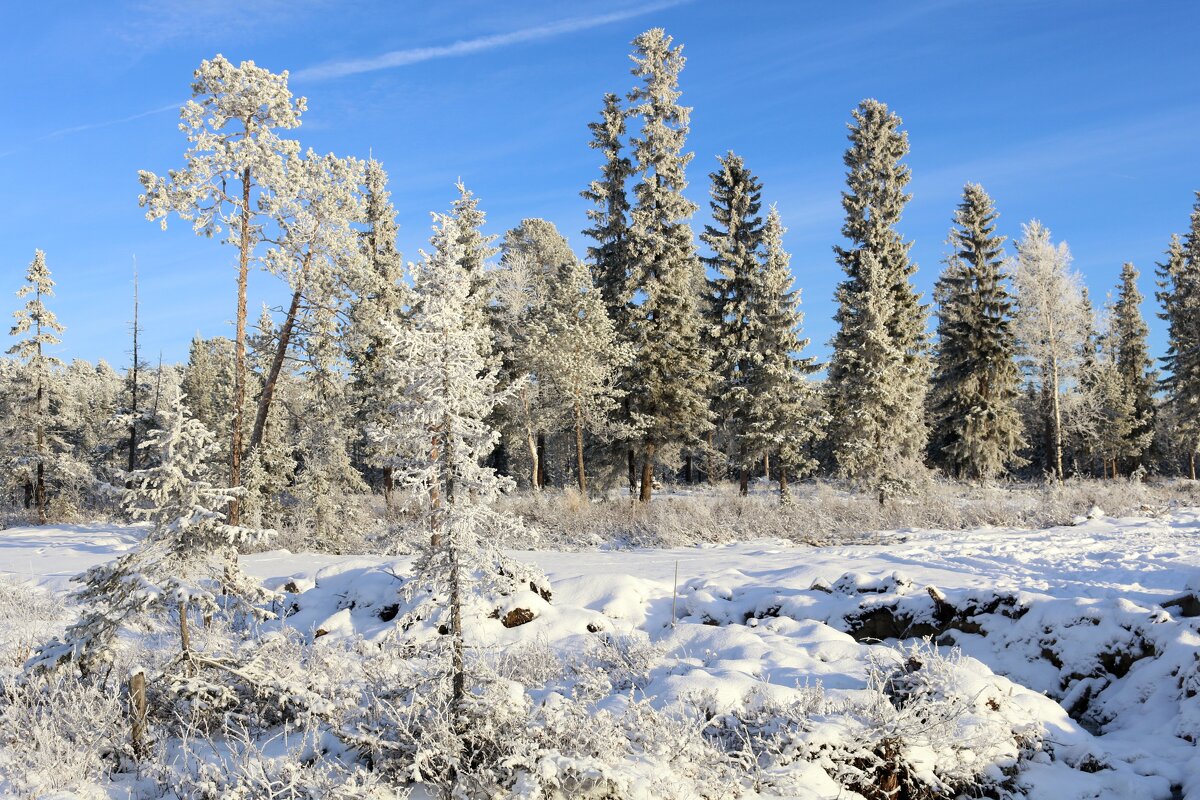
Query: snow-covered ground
x,y
1069,616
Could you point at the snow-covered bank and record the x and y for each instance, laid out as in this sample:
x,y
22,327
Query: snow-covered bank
x,y
767,643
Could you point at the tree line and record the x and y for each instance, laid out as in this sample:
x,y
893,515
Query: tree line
x,y
645,360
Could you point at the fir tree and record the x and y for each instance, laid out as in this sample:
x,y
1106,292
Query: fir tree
x,y
782,417
230,125
475,252
32,436
1131,358
672,373
878,371
185,565
1180,299
976,383
736,241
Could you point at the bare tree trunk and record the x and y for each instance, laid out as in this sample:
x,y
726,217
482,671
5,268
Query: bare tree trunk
x,y
389,485
133,387
530,440
185,638
1192,465
710,460
783,484
744,481
631,463
647,473
239,366
137,710
767,466
1057,410
581,475
541,460
281,348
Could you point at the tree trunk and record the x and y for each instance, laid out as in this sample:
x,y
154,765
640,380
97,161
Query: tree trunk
x,y
281,348
239,366
631,459
39,488
784,496
1192,465
137,710
185,638
744,481
767,466
710,460
531,441
40,493
133,388
580,474
541,460
647,473
1057,413
389,485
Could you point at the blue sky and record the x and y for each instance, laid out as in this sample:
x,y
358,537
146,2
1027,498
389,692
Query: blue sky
x,y
1083,114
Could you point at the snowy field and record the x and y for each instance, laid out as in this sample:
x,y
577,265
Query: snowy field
x,y
783,646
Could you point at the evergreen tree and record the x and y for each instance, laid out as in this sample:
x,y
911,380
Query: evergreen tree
x,y
1104,427
379,303
782,417
976,383
185,565
231,126
736,241
878,371
475,251
438,447
1131,358
32,442
1180,299
672,373
611,257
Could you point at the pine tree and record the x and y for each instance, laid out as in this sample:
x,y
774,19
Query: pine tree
x,y
33,440
878,371
976,383
1180,299
736,241
1104,425
1131,358
672,372
1051,323
379,303
610,257
230,125
185,565
782,416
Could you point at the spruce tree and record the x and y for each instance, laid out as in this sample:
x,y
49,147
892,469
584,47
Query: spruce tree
x,y
32,437
672,373
1180,299
610,255
1131,358
187,563
976,384
878,370
379,305
736,240
475,252
782,417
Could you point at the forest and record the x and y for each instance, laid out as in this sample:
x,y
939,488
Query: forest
x,y
418,531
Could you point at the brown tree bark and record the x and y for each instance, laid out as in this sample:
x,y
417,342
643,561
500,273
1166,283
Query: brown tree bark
x,y
541,461
581,474
239,366
783,484
281,348
647,473
744,481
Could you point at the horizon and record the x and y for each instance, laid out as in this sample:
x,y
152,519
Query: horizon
x,y
1085,126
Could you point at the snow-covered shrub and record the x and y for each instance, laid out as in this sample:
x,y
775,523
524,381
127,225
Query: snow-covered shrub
x,y
60,734
28,612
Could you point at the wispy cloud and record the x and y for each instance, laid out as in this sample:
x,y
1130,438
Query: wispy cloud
x,y
464,47
87,126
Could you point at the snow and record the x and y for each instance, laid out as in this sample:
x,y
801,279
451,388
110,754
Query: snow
x,y
767,624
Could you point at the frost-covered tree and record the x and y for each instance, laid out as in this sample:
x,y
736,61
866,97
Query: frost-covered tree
x,y
187,563
1131,358
271,466
735,240
235,163
1051,324
448,394
879,370
475,253
976,427
31,438
610,256
380,301
316,246
1103,426
782,416
1179,282
672,372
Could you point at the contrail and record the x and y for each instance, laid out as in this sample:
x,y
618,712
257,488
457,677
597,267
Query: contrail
x,y
415,55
